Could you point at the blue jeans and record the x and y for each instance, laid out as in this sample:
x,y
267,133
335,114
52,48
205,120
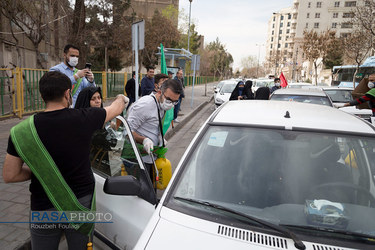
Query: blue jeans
x,y
177,108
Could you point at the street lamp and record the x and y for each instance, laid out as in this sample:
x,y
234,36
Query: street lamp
x,y
258,56
188,47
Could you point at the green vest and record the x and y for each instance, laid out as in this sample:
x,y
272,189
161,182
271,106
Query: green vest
x,y
371,92
32,151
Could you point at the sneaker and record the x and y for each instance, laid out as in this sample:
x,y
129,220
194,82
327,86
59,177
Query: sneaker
x,y
176,120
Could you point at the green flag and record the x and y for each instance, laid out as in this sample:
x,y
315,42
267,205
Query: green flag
x,y
168,117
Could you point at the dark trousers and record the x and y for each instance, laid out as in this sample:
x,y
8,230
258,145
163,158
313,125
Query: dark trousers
x,y
49,238
177,108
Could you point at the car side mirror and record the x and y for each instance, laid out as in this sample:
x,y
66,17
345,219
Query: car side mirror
x,y
122,185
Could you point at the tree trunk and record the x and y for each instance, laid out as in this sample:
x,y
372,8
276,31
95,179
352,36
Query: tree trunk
x,y
316,73
56,35
77,34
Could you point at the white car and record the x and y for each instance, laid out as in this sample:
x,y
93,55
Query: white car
x,y
288,176
224,93
220,84
340,96
313,96
298,85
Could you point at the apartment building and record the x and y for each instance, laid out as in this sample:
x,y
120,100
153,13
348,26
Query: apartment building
x,y
305,15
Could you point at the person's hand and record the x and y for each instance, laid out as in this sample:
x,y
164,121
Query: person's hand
x,y
371,78
240,97
347,104
124,98
81,73
148,145
90,76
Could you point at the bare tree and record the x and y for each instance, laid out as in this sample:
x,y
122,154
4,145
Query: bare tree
x,y
364,16
357,47
315,47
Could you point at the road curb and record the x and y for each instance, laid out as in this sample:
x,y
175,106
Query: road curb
x,y
186,119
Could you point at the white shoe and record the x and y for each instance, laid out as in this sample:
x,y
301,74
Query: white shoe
x,y
176,120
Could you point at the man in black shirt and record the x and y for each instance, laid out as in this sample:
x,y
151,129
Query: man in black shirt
x,y
66,135
130,89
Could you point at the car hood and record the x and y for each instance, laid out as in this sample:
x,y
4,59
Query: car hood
x,y
176,230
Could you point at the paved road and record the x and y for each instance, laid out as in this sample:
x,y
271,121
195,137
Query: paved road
x,y
14,198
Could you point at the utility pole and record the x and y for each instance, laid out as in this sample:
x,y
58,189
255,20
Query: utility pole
x,y
188,47
258,56
278,41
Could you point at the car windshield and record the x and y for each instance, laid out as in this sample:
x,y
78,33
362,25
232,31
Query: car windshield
x,y
339,95
322,100
228,88
220,84
302,179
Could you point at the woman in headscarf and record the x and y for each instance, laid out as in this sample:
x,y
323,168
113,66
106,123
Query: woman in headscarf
x,y
248,91
263,93
89,97
240,92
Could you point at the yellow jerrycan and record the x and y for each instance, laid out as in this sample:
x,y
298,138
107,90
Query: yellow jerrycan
x,y
165,172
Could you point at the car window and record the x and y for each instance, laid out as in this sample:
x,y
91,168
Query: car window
x,y
228,88
339,95
276,175
112,152
322,100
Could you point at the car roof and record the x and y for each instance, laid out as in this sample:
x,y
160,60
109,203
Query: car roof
x,y
337,88
302,116
308,92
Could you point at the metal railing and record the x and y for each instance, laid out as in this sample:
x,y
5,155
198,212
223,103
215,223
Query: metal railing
x,y
19,88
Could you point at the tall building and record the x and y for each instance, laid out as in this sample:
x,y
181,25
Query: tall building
x,y
304,15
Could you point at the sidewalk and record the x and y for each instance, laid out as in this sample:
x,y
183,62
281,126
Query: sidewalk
x,y
15,197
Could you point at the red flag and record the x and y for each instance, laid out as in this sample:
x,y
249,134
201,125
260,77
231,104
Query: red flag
x,y
283,81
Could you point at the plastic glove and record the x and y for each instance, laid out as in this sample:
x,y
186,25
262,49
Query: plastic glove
x,y
165,142
148,145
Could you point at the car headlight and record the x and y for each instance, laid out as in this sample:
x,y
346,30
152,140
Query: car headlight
x,y
219,100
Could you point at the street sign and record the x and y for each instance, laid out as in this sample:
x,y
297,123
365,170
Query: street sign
x,y
138,35
195,62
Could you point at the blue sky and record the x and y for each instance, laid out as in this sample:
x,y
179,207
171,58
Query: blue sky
x,y
239,24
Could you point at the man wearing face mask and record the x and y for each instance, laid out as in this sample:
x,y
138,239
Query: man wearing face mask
x,y
145,117
80,78
368,97
276,86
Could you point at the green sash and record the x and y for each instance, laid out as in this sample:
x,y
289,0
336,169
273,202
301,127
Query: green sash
x,y
371,92
75,86
32,151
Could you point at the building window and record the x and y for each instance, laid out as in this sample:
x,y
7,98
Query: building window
x,y
343,35
279,38
337,4
281,25
319,4
316,25
348,15
280,31
308,15
317,15
271,39
334,25
307,25
273,25
282,17
287,31
351,4
286,45
271,46
289,16
273,32
278,46
288,24
274,18
309,5
335,15
347,25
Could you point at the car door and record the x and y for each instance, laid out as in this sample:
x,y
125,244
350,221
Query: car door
x,y
114,153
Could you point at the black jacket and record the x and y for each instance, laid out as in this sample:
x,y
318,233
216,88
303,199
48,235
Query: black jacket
x,y
246,93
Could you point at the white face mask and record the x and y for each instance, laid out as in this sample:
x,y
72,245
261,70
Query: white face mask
x,y
73,61
370,85
166,105
277,84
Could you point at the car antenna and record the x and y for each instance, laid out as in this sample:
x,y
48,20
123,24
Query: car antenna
x,y
287,115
